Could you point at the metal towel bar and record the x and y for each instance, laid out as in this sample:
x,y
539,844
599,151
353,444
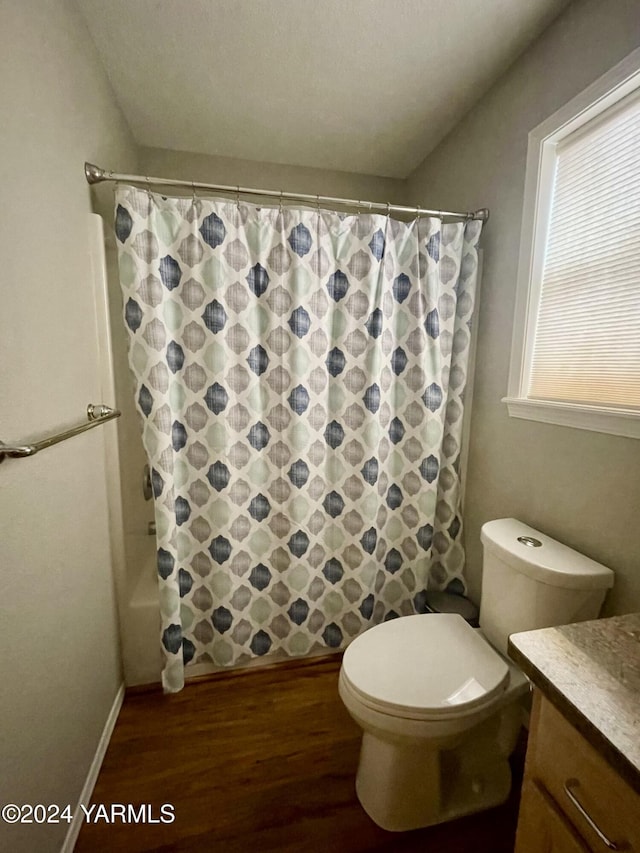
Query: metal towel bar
x,y
96,414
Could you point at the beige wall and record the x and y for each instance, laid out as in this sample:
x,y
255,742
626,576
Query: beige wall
x,y
580,487
269,176
60,667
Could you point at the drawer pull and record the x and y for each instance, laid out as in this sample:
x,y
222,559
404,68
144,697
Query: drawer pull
x,y
569,785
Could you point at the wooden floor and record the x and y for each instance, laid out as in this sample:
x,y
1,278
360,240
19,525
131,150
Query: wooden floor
x,y
259,761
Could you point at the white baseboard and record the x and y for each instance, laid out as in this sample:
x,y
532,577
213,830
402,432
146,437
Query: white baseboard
x,y
76,824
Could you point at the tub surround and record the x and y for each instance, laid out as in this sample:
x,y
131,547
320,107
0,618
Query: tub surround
x,y
591,672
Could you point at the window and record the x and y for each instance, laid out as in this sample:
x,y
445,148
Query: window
x,y
576,346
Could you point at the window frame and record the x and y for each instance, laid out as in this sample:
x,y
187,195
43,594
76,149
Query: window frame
x,y
617,84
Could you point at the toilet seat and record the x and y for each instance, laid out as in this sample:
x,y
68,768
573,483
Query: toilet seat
x,y
424,667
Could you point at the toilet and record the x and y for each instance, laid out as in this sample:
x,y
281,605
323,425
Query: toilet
x,y
439,702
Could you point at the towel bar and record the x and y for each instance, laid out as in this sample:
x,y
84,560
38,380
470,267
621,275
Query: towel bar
x,y
97,414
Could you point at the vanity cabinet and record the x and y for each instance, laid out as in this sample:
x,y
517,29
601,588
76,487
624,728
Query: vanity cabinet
x,y
573,801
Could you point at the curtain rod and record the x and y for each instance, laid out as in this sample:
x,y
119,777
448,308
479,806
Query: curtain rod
x,y
96,175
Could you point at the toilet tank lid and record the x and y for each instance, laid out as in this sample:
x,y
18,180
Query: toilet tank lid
x,y
551,562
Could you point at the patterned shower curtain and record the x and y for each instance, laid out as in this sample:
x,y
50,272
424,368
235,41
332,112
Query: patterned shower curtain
x,y
299,375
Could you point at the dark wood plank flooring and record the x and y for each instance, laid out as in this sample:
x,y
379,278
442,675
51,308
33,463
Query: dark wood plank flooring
x,y
262,760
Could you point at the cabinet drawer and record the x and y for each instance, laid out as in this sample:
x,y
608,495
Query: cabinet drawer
x,y
577,776
542,828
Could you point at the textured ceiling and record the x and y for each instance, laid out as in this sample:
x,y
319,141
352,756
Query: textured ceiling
x,y
365,86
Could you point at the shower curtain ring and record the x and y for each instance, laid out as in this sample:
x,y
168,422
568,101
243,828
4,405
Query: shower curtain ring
x,y
238,196
281,191
318,203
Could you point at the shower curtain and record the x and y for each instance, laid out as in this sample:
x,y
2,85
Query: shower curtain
x,y
300,377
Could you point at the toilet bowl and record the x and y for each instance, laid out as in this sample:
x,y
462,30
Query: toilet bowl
x,y
439,702
438,710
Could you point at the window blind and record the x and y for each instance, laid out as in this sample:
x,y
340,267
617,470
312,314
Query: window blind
x,y
587,336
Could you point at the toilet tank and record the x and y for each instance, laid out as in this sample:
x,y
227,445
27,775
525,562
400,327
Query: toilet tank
x,y
531,581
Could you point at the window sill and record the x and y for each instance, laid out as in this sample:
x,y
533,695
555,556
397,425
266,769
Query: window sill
x,y
625,422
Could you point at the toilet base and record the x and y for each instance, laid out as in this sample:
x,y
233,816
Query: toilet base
x,y
404,785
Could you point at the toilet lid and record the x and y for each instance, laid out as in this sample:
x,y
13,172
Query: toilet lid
x,y
426,665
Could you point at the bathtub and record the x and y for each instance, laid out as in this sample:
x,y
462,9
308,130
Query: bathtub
x,y
140,612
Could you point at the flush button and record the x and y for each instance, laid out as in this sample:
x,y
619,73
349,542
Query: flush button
x,y
530,541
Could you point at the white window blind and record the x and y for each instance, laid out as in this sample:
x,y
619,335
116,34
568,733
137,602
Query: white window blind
x,y
586,348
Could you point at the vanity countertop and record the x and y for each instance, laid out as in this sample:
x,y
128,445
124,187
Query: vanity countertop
x,y
591,672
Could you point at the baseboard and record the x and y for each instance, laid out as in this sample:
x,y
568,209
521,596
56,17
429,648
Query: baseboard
x,y
76,824
208,672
